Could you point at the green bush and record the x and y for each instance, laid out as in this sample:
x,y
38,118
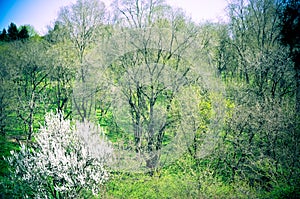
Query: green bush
x,y
283,191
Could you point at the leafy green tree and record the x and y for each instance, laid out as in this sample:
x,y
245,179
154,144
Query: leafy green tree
x,y
5,91
56,34
28,74
31,31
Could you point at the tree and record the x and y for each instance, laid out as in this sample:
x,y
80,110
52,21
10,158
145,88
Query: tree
x,y
31,31
15,33
83,21
290,36
6,88
260,97
62,75
149,71
28,72
61,79
3,35
12,32
64,161
23,33
138,13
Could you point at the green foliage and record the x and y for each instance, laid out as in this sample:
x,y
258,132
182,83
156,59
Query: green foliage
x,y
14,33
283,190
158,88
178,180
6,183
144,186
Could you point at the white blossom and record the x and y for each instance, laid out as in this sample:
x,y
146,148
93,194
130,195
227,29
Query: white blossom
x,y
64,159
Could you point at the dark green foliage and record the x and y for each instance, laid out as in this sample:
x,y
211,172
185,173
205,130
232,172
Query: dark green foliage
x,y
290,36
283,190
3,35
6,185
12,32
23,33
290,23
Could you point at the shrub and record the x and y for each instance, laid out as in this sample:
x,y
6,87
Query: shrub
x,y
63,161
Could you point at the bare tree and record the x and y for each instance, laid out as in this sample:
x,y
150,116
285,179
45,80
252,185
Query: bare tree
x,y
83,22
151,61
138,13
261,119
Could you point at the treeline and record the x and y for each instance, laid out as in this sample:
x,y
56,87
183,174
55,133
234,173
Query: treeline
x,y
14,33
222,98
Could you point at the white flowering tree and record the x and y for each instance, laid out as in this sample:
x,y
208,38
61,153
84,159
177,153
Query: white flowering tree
x,y
63,161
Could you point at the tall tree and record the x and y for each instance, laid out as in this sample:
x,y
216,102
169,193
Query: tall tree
x,y
28,74
12,32
261,90
63,74
82,22
150,70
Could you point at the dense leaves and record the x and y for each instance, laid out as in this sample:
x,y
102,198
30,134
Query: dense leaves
x,y
13,33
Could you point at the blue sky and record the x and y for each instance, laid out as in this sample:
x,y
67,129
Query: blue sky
x,y
41,13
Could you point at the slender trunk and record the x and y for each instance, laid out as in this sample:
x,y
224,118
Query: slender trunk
x,y
151,128
30,122
137,133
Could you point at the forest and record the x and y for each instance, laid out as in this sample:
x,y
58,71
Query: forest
x,y
136,100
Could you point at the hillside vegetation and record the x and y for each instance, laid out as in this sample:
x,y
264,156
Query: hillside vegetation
x,y
139,101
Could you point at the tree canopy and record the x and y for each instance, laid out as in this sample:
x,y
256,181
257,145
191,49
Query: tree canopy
x,y
14,33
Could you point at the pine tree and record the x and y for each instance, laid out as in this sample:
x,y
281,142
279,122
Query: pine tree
x,y
23,34
3,35
12,32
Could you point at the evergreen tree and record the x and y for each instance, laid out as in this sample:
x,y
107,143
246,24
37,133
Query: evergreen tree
x,y
3,35
13,32
23,34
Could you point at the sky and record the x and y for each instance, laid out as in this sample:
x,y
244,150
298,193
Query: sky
x,y
42,13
